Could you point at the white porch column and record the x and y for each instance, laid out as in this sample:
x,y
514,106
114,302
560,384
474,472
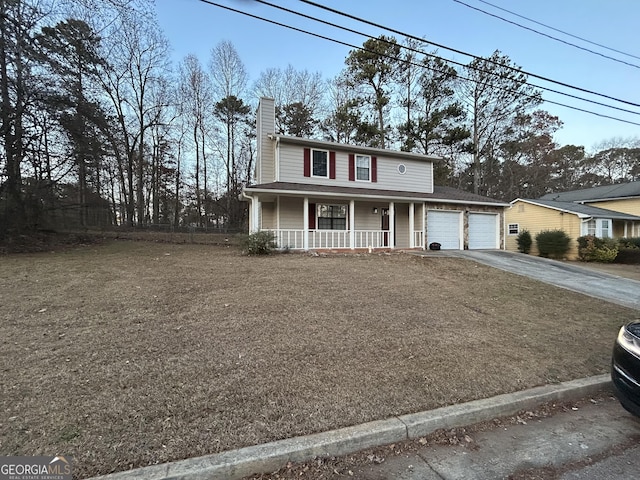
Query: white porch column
x,y
625,229
255,214
305,226
423,215
278,212
392,226
412,240
352,224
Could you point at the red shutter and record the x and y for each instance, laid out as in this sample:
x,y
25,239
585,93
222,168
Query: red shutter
x,y
332,164
307,162
312,216
352,167
374,169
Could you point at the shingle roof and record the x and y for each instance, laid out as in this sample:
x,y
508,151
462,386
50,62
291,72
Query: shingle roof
x,y
620,190
444,194
582,210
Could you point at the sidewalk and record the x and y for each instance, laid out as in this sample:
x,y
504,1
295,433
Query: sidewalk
x,y
270,457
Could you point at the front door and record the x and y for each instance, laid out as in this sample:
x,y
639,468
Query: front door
x,y
385,227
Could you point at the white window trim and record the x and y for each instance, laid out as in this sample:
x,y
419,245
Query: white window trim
x,y
328,163
509,229
356,168
598,227
332,205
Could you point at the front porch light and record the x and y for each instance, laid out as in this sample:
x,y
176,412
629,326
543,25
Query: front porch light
x,y
375,210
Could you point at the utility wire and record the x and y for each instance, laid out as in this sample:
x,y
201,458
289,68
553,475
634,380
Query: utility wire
x,y
561,31
323,37
414,50
547,35
461,52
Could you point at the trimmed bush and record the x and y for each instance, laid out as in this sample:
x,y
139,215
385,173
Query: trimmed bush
x,y
524,241
628,251
594,249
553,243
259,243
631,242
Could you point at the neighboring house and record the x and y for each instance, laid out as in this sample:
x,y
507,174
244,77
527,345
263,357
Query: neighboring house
x,y
622,197
314,194
575,219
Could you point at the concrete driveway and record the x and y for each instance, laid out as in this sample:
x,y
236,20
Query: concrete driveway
x,y
622,291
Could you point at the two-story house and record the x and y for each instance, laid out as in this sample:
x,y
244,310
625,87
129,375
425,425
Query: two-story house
x,y
314,194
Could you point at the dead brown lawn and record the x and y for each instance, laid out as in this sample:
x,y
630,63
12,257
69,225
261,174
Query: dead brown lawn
x,y
130,354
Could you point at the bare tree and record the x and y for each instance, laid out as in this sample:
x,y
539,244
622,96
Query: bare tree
x,y
197,106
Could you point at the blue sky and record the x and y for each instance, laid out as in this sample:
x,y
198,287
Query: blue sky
x,y
195,27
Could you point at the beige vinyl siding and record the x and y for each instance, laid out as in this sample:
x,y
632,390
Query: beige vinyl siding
x,y
628,205
418,176
291,213
268,215
365,218
536,218
265,167
402,225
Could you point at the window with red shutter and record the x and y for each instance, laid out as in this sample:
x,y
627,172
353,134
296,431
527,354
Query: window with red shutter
x,y
352,167
307,162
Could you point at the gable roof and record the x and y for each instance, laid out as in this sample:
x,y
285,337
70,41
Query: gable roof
x,y
604,192
582,211
440,194
326,145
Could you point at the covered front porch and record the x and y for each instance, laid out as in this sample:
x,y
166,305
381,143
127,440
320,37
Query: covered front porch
x,y
333,223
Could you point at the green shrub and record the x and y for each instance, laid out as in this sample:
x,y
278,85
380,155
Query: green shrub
x,y
524,241
259,243
631,242
553,243
630,256
594,249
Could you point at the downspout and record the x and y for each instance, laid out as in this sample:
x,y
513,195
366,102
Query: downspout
x,y
251,219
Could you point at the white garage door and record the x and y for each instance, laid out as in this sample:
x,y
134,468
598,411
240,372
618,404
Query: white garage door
x,y
444,227
483,230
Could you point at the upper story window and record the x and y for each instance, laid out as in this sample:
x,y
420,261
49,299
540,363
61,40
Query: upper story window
x,y
363,168
320,163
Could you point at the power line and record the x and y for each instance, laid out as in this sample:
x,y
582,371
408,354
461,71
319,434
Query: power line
x,y
547,35
323,37
461,52
325,22
561,31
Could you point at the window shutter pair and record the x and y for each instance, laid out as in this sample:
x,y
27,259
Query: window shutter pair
x,y
307,163
352,168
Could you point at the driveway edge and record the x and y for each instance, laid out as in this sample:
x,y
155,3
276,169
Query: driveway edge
x,y
269,457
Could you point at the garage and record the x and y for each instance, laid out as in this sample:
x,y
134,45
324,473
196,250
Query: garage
x,y
445,228
483,231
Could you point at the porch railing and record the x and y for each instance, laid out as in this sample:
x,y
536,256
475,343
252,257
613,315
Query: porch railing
x,y
331,239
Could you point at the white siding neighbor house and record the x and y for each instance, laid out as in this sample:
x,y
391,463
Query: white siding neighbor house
x,y
314,194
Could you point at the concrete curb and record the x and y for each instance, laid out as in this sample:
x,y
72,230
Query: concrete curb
x,y
269,457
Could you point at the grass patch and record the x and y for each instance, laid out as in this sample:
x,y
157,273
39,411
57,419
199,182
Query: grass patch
x,y
128,354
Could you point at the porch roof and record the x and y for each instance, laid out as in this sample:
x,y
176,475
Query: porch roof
x,y
439,195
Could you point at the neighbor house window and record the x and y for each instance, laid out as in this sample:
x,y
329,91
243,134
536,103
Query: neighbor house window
x,y
513,229
591,227
320,167
332,217
363,168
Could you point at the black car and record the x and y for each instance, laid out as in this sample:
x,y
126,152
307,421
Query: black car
x,y
625,367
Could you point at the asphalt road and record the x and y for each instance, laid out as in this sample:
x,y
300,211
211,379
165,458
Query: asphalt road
x,y
598,440
622,291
